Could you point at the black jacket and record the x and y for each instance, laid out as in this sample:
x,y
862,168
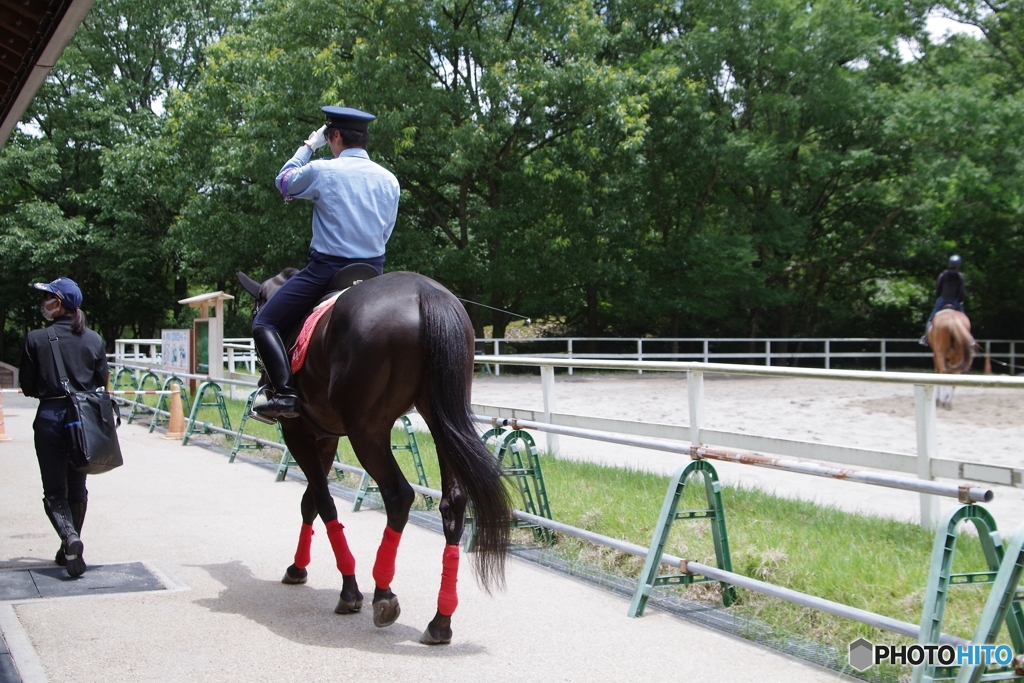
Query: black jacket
x,y
85,360
951,286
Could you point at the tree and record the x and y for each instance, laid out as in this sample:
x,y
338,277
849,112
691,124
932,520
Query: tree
x,y
87,192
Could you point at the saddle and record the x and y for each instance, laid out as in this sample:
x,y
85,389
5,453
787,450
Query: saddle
x,y
297,338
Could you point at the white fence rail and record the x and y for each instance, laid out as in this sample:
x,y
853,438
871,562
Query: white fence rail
x,y
240,351
925,463
821,352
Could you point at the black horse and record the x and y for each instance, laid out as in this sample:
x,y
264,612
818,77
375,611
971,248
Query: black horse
x,y
388,344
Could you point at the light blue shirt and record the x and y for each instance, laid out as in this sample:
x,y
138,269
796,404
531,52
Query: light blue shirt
x,y
355,201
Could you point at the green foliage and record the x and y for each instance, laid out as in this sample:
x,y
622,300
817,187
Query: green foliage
x,y
633,167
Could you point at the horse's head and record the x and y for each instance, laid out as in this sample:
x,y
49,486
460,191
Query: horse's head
x,y
263,292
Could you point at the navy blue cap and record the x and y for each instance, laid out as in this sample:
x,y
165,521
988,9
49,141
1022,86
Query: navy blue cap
x,y
66,291
347,117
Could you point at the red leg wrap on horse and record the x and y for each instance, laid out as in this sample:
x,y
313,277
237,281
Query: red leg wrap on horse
x,y
346,563
384,567
302,552
447,597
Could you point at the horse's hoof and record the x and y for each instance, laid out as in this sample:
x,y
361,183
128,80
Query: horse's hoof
x,y
294,576
440,638
347,604
386,611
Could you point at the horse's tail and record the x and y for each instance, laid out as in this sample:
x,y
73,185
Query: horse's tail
x,y
478,472
961,337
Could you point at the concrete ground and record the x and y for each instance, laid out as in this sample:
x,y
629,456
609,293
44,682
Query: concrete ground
x,y
220,536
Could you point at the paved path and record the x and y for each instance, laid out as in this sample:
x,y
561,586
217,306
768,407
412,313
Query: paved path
x,y
221,536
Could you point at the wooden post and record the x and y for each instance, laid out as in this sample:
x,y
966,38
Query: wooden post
x,y
924,404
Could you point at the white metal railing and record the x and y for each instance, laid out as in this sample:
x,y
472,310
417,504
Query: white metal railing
x,y
770,351
924,463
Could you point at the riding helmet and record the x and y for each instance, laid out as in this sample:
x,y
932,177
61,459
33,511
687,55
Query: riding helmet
x,y
955,262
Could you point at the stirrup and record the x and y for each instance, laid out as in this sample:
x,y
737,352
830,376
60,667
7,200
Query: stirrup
x,y
274,412
267,391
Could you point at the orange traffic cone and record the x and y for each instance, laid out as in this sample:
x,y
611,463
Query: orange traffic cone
x,y
176,425
3,432
988,365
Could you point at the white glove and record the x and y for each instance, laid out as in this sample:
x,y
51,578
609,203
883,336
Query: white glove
x,y
316,139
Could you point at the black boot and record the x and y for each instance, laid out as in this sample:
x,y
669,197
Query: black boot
x,y
78,508
59,512
278,367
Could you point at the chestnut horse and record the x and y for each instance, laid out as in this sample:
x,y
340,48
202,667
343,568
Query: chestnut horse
x,y
390,343
952,348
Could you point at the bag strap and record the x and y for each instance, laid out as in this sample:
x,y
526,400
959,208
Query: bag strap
x,y
51,334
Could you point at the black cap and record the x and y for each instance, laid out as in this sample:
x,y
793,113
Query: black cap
x,y
347,117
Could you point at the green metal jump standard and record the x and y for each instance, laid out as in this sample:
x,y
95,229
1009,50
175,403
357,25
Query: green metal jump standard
x,y
138,401
715,513
243,444
200,403
1003,603
124,379
529,478
367,485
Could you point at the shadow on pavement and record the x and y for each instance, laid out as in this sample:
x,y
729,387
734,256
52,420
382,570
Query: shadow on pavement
x,y
306,615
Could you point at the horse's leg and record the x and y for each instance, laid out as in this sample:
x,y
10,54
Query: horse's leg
x,y
296,573
374,452
310,453
453,517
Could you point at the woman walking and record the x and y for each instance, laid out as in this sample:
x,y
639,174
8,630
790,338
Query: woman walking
x,y
65,497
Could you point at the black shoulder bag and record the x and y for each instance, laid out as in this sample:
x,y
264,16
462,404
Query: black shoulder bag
x,y
90,423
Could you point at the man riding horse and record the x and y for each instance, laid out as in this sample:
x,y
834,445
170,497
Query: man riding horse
x,y
355,205
950,290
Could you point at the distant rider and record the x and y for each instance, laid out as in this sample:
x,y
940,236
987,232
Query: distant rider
x,y
950,290
355,205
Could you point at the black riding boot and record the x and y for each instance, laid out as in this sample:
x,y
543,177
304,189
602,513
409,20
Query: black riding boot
x,y
59,512
278,367
78,508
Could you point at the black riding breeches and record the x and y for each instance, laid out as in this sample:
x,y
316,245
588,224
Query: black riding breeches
x,y
296,296
60,479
